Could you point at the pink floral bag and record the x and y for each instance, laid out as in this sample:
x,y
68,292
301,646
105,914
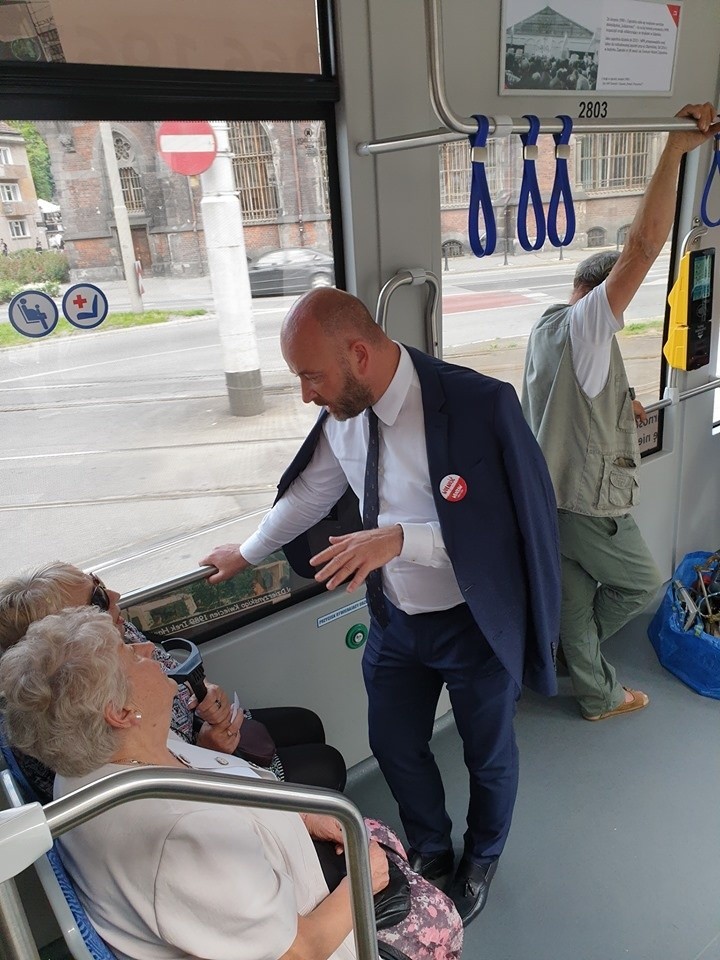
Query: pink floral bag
x,y
432,930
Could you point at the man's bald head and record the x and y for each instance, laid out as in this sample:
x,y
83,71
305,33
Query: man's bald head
x,y
335,315
343,359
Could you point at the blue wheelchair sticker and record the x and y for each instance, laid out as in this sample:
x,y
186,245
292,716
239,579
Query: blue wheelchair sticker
x,y
85,306
33,313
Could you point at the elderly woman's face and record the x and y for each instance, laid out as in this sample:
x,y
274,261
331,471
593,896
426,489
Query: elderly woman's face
x,y
93,592
151,690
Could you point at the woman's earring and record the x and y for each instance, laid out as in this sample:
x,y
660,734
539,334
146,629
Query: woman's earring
x,y
138,716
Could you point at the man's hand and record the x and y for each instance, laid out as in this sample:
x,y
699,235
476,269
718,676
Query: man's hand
x,y
228,560
222,737
638,411
215,707
654,217
356,554
705,114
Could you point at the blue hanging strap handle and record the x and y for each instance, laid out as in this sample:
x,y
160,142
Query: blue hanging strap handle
x,y
713,172
530,189
561,188
480,193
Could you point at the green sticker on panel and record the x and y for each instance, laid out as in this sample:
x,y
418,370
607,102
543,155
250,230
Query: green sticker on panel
x,y
356,636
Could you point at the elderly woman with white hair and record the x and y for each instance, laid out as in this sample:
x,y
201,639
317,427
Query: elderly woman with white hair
x,y
301,754
86,704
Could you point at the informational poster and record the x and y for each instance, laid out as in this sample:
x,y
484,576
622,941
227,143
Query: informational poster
x,y
192,609
581,46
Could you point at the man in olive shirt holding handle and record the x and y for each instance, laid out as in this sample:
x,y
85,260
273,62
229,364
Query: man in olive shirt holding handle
x,y
580,406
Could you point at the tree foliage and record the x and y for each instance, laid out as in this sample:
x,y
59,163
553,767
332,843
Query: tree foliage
x,y
38,157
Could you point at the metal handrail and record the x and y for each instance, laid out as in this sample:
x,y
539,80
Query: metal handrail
x,y
103,795
16,939
688,395
164,586
414,277
499,126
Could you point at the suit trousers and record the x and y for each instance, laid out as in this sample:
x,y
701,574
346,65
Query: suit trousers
x,y
404,667
608,576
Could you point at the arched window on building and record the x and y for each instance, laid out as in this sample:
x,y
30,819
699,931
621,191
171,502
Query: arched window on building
x,y
596,237
129,177
254,171
622,235
452,248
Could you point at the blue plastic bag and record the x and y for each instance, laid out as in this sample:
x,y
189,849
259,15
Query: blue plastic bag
x,y
692,655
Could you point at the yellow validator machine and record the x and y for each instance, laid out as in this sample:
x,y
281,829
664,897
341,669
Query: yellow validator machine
x,y
688,342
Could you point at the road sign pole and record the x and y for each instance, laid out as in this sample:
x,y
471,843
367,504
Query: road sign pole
x,y
227,263
122,221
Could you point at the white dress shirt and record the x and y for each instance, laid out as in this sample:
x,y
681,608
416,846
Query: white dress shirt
x,y
421,579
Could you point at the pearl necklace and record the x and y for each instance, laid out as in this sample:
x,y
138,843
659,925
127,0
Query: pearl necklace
x,y
147,763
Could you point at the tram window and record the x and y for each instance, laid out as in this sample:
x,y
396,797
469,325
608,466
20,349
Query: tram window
x,y
232,35
491,304
120,453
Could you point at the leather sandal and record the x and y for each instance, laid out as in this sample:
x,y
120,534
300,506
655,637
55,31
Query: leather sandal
x,y
639,700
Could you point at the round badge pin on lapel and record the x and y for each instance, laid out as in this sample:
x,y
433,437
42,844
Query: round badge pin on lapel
x,y
453,487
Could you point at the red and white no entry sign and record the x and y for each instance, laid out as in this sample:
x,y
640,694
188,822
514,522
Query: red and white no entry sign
x,y
187,146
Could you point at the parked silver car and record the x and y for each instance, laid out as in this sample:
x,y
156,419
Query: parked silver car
x,y
289,271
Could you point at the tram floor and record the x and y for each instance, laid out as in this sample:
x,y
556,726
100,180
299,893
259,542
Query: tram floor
x,y
614,851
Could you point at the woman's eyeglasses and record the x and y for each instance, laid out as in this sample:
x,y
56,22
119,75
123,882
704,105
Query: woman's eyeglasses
x,y
99,597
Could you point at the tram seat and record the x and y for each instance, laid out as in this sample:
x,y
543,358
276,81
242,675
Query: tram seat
x,y
81,937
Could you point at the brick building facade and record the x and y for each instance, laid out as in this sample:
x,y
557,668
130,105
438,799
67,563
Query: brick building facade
x,y
280,172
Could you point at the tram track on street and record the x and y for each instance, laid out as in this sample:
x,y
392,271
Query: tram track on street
x,y
155,448
205,493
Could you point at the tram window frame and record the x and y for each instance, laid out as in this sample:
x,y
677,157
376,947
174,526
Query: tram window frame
x,y
62,91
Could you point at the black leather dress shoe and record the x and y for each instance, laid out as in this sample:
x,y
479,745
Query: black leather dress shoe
x,y
435,867
469,889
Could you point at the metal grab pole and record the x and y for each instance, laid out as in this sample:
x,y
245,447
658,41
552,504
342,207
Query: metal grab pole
x,y
508,125
96,798
413,277
16,940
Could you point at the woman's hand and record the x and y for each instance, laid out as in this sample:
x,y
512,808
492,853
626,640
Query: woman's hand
x,y
322,827
322,931
223,737
379,871
215,707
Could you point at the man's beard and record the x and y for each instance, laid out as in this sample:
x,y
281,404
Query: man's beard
x,y
355,398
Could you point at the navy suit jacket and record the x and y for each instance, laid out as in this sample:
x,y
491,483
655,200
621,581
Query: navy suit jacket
x,y
502,537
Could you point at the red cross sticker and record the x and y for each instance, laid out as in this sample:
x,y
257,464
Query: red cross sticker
x,y
79,301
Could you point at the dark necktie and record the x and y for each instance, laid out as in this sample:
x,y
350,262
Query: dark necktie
x,y
371,510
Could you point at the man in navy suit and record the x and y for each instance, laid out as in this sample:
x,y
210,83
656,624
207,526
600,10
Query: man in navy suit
x,y
459,556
